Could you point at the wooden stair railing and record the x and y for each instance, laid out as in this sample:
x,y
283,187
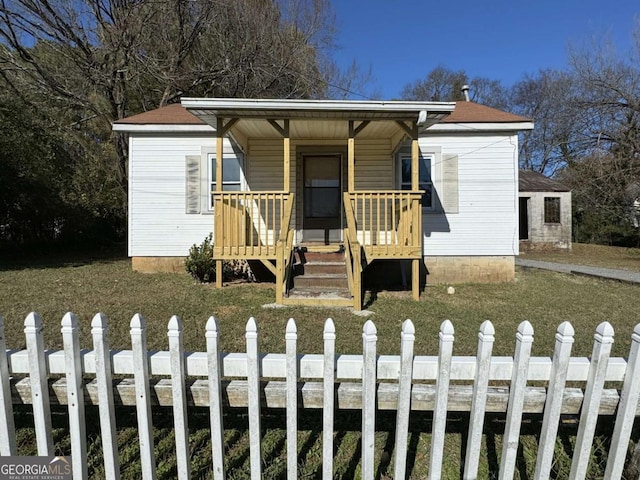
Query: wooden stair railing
x,y
284,250
353,256
353,253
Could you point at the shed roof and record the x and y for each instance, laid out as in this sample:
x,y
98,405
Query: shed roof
x,y
530,181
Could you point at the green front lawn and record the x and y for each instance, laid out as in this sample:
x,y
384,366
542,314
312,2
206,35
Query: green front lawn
x,y
108,285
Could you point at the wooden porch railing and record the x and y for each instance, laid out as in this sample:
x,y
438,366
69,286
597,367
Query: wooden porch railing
x,y
388,224
249,225
255,226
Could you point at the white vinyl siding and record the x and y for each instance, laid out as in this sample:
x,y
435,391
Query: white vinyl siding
x,y
486,222
158,222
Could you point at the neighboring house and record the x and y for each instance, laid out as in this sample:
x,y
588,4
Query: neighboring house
x,y
430,183
545,212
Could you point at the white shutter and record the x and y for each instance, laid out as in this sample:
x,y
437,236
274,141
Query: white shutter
x,y
192,188
450,183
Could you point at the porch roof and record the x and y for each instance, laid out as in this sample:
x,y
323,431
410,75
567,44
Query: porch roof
x,y
317,119
321,118
421,112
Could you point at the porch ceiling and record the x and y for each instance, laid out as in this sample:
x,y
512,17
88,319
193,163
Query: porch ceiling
x,y
315,129
317,119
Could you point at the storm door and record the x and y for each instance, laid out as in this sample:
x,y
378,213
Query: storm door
x,y
322,203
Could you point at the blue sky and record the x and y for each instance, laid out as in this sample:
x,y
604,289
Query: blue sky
x,y
500,39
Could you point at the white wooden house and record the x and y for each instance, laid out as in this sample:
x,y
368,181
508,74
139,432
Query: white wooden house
x,y
430,183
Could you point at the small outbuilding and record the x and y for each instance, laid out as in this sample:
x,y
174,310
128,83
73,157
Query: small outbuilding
x,y
544,212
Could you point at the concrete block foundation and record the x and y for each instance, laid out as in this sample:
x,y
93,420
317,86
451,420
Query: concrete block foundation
x,y
481,269
158,264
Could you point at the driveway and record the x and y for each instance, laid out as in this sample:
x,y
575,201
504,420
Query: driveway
x,y
608,273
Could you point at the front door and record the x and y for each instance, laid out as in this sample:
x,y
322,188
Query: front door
x,y
322,202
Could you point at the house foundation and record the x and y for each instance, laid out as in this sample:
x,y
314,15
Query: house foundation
x,y
158,264
463,269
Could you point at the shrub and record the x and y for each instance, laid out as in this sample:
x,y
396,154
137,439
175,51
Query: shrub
x,y
200,263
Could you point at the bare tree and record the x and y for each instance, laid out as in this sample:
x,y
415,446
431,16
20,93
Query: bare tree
x,y
445,85
96,61
549,98
489,92
606,178
440,85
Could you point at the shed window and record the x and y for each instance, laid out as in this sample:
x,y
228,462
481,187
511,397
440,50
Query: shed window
x,y
424,177
552,210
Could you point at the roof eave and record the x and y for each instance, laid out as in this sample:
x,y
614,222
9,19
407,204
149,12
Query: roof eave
x,y
481,126
161,128
274,105
543,190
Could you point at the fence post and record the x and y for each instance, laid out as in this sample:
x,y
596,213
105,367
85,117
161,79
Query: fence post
x,y
7,425
369,381
292,399
75,395
215,399
524,340
328,400
38,378
591,402
442,396
108,435
626,410
407,337
253,386
143,394
479,402
176,352
553,403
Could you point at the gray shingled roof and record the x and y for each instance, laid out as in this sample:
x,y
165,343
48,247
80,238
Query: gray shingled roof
x,y
530,181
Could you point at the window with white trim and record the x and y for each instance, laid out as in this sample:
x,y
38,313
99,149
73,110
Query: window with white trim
x,y
231,174
425,182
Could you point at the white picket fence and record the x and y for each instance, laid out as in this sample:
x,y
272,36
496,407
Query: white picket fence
x,y
366,382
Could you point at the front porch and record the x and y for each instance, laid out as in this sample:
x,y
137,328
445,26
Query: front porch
x,y
363,224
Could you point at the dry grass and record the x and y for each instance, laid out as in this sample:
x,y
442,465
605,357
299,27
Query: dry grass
x,y
544,298
87,286
592,255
